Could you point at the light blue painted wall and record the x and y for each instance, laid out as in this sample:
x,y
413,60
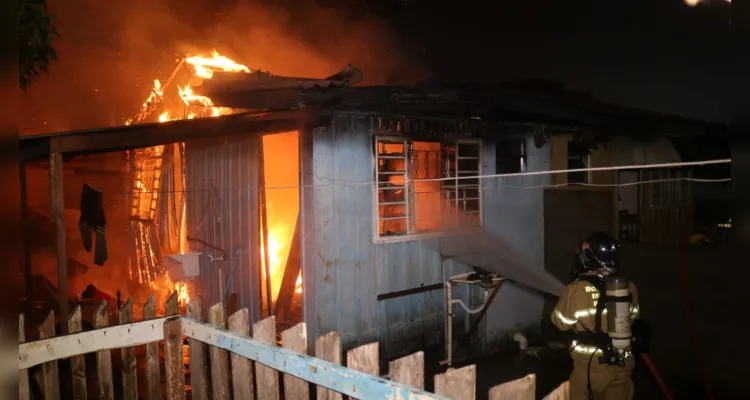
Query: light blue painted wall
x,y
344,271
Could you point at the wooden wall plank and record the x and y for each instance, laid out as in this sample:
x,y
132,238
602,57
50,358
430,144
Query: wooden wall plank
x,y
57,201
50,375
45,350
519,389
24,390
328,348
77,363
408,370
267,379
365,359
219,357
457,384
153,370
198,351
104,357
127,354
295,339
174,363
242,368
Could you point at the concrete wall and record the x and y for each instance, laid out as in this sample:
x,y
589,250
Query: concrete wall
x,y
344,271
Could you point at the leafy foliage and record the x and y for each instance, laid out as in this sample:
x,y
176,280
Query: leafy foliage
x,y
36,33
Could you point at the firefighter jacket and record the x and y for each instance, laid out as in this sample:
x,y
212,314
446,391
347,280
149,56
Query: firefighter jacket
x,y
576,310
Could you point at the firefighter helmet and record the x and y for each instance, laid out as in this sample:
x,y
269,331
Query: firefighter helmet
x,y
600,252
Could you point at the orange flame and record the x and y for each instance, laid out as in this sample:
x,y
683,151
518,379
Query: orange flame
x,y
205,66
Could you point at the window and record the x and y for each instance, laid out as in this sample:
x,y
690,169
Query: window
x,y
672,192
578,157
407,206
510,157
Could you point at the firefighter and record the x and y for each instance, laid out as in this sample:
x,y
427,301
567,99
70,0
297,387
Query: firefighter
x,y
595,375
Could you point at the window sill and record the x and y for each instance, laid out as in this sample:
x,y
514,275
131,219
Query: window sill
x,y
406,238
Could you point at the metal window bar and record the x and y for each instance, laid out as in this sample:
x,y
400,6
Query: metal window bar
x,y
382,158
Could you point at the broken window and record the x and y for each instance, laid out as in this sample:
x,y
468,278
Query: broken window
x,y
510,157
426,187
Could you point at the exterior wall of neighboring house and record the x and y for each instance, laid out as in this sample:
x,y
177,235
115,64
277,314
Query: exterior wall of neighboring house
x,y
345,267
660,212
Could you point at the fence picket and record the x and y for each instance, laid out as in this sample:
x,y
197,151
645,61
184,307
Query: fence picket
x,y
50,375
77,363
174,363
458,384
198,351
219,357
295,339
408,370
562,392
24,390
267,379
365,359
328,348
172,307
153,371
242,368
104,357
519,389
129,377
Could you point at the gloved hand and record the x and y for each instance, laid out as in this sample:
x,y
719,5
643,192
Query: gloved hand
x,y
641,336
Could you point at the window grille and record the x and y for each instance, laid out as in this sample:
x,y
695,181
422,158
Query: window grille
x,y
407,207
670,192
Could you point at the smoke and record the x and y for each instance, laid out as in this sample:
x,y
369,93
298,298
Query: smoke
x,y
110,52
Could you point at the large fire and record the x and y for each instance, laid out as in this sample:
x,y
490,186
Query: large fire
x,y
203,67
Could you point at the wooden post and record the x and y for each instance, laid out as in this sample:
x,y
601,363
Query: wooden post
x,y
104,357
267,378
328,348
519,389
51,377
242,368
26,235
289,280
365,359
57,200
174,364
295,339
24,391
198,366
457,383
153,373
219,357
408,370
264,227
129,376
77,363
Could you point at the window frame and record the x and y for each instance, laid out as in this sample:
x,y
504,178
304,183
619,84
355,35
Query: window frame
x,y
377,238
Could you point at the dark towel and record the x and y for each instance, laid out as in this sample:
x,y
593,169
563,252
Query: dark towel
x,y
92,217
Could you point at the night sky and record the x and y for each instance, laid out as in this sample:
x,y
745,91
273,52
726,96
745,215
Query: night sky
x,y
652,54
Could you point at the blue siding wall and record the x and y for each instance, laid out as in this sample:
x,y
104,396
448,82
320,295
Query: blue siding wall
x,y
222,210
514,211
344,271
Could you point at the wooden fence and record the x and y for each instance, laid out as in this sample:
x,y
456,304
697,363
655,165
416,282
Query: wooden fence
x,y
241,366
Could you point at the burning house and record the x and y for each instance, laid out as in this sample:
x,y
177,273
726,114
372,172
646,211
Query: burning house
x,y
321,201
